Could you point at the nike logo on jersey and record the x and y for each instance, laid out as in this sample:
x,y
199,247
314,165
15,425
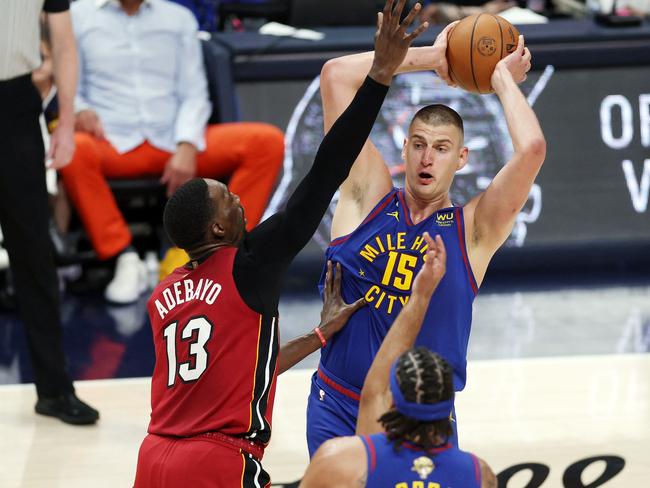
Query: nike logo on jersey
x,y
394,214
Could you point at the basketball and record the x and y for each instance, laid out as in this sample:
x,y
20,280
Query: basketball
x,y
474,47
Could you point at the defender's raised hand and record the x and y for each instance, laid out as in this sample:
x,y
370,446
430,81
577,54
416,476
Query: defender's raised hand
x,y
433,269
392,41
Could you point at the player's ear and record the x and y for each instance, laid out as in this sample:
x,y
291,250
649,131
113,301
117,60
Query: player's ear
x,y
406,141
217,229
462,158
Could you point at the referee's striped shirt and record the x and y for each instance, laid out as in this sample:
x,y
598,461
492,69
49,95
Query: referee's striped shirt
x,y
20,34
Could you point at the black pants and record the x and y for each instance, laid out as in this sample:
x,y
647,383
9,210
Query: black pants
x,y
24,215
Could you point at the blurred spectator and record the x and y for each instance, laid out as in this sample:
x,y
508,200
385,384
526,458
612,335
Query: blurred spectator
x,y
450,10
142,109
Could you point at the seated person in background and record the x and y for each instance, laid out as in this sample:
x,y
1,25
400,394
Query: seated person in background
x,y
449,10
404,424
142,108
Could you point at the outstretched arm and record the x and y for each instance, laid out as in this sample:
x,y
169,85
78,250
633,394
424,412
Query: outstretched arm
x,y
333,317
369,178
375,396
279,239
495,210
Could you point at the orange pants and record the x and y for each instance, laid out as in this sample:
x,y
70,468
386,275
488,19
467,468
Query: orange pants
x,y
250,154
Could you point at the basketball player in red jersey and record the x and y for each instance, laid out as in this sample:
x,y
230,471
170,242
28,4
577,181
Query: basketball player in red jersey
x,y
402,436
214,320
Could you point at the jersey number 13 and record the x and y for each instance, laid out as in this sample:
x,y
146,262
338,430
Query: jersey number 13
x,y
199,331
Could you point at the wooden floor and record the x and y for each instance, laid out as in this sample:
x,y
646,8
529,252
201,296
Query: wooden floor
x,y
552,411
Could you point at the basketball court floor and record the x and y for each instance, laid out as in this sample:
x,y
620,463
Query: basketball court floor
x,y
558,392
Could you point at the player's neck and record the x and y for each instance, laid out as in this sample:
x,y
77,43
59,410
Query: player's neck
x,y
421,208
205,249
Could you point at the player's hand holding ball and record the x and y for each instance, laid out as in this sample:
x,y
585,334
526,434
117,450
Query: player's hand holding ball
x,y
517,63
478,45
440,64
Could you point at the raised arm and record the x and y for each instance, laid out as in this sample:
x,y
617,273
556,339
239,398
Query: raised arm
x,y
369,178
495,210
284,234
375,396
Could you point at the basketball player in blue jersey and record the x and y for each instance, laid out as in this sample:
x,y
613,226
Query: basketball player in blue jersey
x,y
404,423
377,229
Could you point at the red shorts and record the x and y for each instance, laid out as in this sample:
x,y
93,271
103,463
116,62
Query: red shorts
x,y
199,462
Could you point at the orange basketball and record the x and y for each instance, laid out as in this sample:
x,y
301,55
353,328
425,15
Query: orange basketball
x,y
474,47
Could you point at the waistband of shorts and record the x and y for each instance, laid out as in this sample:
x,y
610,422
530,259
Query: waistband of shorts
x,y
338,384
253,448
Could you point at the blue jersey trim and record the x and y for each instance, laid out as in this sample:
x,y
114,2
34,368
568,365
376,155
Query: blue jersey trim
x,y
463,248
407,212
373,213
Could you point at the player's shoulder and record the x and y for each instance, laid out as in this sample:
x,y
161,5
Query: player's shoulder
x,y
339,448
339,460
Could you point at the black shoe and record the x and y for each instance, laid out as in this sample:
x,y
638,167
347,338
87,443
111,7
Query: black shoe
x,y
67,408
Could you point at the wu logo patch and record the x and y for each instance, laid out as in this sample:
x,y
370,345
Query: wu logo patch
x,y
423,466
445,219
394,214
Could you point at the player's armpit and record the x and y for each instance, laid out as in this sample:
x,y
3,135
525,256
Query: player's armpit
x,y
369,178
488,479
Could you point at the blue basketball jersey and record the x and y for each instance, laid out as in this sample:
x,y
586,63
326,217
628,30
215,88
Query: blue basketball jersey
x,y
412,467
379,260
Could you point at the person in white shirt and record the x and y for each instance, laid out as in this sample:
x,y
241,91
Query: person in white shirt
x,y
142,109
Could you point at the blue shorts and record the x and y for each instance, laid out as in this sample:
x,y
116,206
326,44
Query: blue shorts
x,y
332,410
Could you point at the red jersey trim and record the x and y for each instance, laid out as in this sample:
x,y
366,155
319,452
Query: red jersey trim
x,y
477,471
435,450
372,453
341,389
407,212
460,224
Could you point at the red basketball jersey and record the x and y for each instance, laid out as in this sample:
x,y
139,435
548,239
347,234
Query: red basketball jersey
x,y
215,357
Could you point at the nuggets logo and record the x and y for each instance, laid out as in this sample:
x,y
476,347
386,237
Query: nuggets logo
x,y
486,46
445,219
423,466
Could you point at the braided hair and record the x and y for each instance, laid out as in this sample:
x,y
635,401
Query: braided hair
x,y
423,377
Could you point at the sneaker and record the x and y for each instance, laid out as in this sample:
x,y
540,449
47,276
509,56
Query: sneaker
x,y
67,408
129,280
